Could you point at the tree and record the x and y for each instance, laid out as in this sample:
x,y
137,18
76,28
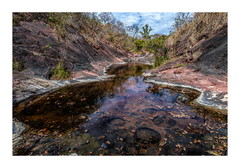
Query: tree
x,y
95,20
105,17
133,30
146,30
108,21
181,18
79,18
118,29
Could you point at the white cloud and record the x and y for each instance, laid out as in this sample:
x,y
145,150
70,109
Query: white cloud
x,y
160,22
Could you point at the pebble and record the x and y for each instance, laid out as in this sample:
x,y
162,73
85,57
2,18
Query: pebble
x,y
73,154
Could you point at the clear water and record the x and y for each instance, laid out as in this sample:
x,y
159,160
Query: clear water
x,y
121,116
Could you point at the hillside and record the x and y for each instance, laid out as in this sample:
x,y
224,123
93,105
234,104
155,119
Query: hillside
x,y
38,49
36,45
60,82
207,71
194,55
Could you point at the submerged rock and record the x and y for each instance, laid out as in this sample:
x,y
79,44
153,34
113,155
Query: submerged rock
x,y
150,110
116,121
147,135
159,120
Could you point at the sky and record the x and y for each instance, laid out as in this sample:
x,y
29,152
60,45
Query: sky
x,y
160,22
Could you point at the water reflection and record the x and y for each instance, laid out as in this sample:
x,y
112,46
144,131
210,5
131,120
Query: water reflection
x,y
122,116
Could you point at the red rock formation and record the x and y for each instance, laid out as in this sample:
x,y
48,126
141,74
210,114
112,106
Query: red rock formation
x,y
208,71
36,45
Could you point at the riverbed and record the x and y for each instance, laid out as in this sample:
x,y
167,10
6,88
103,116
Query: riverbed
x,y
124,115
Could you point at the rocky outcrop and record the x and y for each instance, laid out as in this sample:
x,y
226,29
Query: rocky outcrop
x,y
36,45
186,47
30,87
207,72
38,48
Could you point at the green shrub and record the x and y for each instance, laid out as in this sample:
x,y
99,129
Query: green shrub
x,y
160,60
17,65
157,46
15,21
139,44
59,72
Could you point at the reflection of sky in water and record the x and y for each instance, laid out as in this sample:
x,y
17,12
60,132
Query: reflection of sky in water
x,y
123,116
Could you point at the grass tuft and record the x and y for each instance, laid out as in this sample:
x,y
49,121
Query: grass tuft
x,y
17,65
179,65
59,72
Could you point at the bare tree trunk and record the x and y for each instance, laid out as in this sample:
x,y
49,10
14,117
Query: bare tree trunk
x,y
102,32
219,21
95,27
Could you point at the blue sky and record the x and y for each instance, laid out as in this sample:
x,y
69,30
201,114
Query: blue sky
x,y
160,22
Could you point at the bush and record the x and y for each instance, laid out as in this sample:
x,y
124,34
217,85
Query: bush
x,y
139,44
15,21
17,65
160,60
158,48
59,72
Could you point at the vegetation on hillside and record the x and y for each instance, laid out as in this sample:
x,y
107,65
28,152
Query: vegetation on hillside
x,y
94,27
17,65
104,27
195,27
189,27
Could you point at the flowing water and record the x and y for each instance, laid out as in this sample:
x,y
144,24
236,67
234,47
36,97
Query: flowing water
x,y
121,116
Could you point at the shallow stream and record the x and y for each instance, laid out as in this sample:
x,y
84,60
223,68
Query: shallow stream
x,y
121,116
